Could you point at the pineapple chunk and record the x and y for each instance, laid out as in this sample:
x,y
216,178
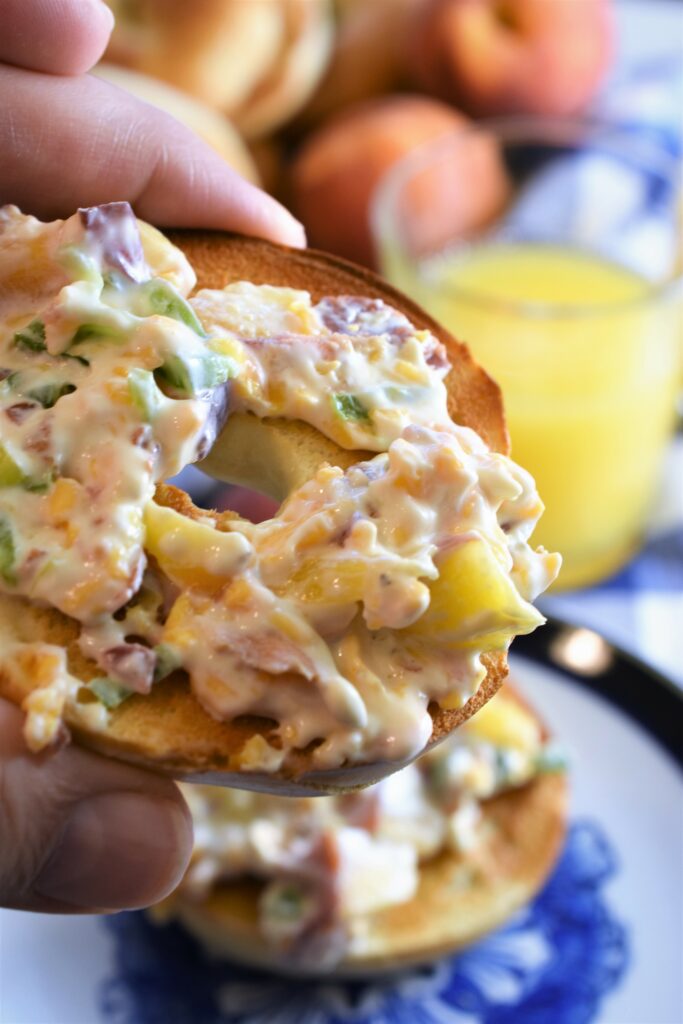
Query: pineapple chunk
x,y
192,553
63,499
504,723
10,472
333,581
474,603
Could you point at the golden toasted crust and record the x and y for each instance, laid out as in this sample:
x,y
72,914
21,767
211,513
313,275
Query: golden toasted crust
x,y
460,897
168,730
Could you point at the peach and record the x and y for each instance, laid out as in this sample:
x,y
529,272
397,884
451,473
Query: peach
x,y
335,175
512,56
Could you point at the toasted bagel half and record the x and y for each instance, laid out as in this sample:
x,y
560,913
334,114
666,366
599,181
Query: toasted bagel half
x,y
461,896
168,730
459,899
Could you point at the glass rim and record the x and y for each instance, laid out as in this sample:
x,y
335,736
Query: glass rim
x,y
554,131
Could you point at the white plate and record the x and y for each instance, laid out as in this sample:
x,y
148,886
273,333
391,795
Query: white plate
x,y
602,942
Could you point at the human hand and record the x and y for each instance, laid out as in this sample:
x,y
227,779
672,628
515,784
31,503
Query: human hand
x,y
77,831
70,139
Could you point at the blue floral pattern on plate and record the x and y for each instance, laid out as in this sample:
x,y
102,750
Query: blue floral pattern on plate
x,y
556,961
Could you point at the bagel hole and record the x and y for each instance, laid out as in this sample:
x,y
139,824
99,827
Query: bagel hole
x,y
211,494
251,505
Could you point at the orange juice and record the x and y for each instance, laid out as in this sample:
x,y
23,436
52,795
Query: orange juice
x,y
586,355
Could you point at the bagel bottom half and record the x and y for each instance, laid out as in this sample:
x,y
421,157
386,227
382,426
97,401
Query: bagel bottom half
x,y
460,897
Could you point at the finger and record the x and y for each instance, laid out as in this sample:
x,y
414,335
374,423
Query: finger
x,y
79,832
80,142
64,37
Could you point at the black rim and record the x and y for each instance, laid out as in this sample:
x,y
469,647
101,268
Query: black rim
x,y
649,698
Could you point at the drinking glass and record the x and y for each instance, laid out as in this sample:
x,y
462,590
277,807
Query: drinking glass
x,y
553,249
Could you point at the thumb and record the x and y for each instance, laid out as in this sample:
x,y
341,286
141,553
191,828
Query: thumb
x,y
79,832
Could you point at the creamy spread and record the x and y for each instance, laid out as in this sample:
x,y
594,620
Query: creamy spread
x,y
327,863
353,368
103,393
373,592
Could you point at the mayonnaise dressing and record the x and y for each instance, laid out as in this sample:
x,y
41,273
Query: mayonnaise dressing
x,y
372,593
353,368
86,429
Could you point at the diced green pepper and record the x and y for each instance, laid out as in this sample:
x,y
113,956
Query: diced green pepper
x,y
144,392
109,692
49,394
162,299
350,407
79,359
176,373
10,472
38,484
96,332
8,553
32,337
196,373
168,660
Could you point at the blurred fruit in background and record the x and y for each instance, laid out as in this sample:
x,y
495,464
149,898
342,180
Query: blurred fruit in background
x,y
256,60
512,56
337,170
208,123
296,70
317,91
370,40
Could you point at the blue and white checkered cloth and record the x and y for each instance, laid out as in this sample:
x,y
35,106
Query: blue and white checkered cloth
x,y
641,608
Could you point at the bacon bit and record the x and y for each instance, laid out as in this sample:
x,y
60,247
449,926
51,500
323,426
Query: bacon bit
x,y
132,665
4,373
167,590
361,810
362,317
62,738
435,356
270,652
143,438
18,412
40,441
32,562
114,229
323,936
142,435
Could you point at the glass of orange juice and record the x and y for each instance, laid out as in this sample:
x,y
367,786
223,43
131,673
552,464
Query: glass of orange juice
x,y
553,249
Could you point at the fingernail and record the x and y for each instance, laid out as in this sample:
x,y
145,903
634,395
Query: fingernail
x,y
298,234
103,7
118,851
